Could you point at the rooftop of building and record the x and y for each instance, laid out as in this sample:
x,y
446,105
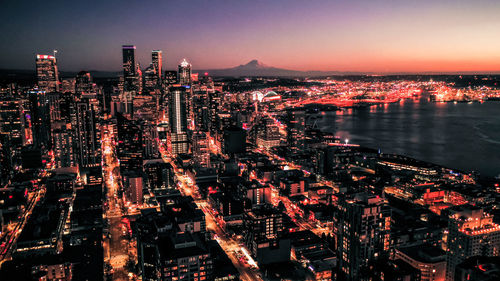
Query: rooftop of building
x,y
481,268
42,224
304,238
424,253
262,211
181,245
364,199
184,211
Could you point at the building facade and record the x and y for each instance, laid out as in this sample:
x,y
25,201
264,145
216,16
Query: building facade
x,y
471,233
47,73
363,230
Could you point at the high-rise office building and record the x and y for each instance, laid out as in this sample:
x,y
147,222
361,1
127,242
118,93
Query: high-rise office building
x,y
133,185
84,84
363,233
150,141
150,79
184,78
170,77
129,67
214,107
471,232
130,142
62,139
40,118
159,175
264,235
201,111
268,134
137,81
47,73
157,61
12,121
184,73
178,120
68,85
177,110
60,129
296,128
54,103
201,149
87,138
6,165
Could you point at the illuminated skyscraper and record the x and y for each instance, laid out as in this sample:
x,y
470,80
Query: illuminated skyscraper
x,y
129,66
54,101
471,233
157,61
363,229
160,175
40,118
268,134
12,121
214,107
150,140
201,149
177,110
296,127
86,135
178,120
84,83
130,144
5,159
264,235
200,110
150,79
170,77
62,139
46,73
184,73
184,79
68,85
137,80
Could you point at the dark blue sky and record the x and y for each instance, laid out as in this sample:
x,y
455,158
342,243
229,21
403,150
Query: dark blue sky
x,y
365,35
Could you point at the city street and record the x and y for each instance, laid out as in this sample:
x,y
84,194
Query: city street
x,y
116,245
248,270
11,237
229,245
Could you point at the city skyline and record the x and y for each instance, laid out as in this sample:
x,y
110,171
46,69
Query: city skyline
x,y
365,36
250,140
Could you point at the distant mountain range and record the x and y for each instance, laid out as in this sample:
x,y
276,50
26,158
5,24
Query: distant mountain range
x,y
253,68
257,68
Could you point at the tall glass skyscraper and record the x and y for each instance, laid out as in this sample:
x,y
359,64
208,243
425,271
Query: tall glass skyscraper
x,y
184,73
157,61
83,83
87,138
128,66
178,120
46,73
364,223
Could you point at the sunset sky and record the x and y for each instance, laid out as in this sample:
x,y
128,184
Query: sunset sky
x,y
369,35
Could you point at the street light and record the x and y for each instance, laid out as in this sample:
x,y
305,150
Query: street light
x,y
346,141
